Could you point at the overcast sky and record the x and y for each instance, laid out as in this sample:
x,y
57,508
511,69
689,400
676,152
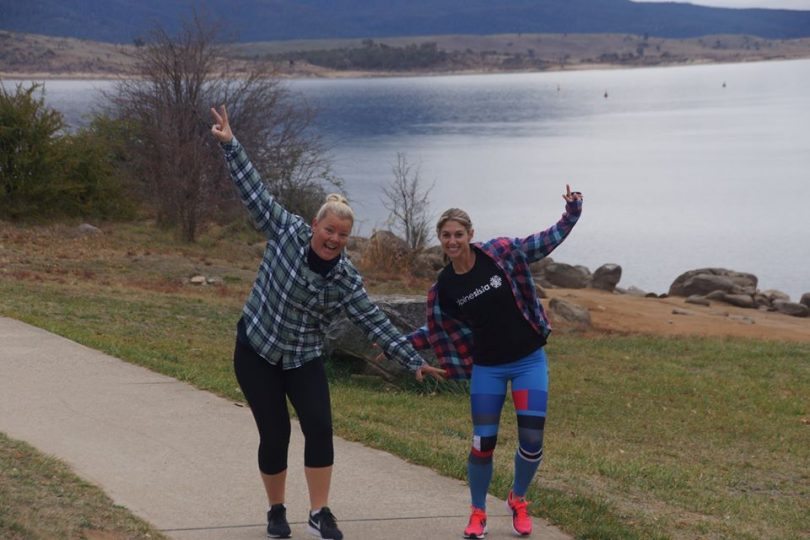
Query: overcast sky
x,y
773,4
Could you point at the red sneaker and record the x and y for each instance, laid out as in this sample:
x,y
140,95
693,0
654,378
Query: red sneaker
x,y
521,522
477,528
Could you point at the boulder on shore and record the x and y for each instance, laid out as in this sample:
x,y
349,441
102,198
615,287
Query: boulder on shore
x,y
564,275
706,280
568,312
791,308
606,277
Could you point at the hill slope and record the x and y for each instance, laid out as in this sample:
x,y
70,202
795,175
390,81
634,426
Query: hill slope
x,y
121,21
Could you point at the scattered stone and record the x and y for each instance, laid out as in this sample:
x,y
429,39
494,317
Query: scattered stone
x,y
85,229
742,319
214,280
650,295
632,290
698,300
677,311
197,280
606,277
791,308
571,312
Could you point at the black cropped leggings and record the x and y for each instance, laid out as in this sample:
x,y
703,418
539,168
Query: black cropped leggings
x,y
266,388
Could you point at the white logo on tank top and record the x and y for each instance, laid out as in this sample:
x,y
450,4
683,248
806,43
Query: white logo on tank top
x,y
494,282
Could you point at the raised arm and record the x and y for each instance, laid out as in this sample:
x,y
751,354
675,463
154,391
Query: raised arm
x,y
539,245
268,215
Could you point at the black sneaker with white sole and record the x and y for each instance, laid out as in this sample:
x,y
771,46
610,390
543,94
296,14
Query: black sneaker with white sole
x,y
323,525
277,526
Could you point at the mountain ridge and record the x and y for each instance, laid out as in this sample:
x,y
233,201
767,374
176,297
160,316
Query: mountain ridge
x,y
122,21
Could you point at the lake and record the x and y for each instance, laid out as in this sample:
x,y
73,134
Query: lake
x,y
680,167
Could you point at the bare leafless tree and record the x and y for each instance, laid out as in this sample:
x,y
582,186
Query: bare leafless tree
x,y
406,198
165,107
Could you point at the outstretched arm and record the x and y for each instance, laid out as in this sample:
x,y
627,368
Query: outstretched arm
x,y
541,244
268,215
380,331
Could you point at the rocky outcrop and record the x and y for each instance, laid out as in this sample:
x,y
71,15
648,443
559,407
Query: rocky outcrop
x,y
706,280
606,277
565,276
805,301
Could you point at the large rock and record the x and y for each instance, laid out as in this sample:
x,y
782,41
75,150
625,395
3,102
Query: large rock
x,y
571,313
385,249
344,339
565,276
805,301
705,280
791,308
606,277
427,265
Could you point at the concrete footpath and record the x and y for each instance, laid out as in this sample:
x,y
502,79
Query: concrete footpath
x,y
185,460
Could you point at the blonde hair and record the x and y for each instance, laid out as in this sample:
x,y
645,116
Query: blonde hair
x,y
454,214
336,204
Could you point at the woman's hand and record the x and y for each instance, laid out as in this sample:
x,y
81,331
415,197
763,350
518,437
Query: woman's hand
x,y
221,128
434,372
571,196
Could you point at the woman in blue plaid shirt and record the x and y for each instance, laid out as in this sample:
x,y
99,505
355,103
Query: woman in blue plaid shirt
x,y
486,323
304,281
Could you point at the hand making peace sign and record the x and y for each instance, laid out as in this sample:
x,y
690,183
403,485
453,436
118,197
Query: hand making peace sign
x,y
221,128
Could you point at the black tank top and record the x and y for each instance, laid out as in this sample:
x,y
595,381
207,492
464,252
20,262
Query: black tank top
x,y
483,299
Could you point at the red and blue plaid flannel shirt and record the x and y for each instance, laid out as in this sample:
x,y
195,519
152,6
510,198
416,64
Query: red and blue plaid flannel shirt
x,y
451,338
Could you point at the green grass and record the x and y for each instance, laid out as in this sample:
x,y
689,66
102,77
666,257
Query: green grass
x,y
42,499
646,437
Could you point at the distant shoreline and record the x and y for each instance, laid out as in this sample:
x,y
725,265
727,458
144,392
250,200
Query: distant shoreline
x,y
323,73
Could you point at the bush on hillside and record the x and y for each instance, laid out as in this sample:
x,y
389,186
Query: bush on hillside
x,y
46,173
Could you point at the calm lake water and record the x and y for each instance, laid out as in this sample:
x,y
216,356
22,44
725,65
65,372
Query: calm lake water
x,y
681,167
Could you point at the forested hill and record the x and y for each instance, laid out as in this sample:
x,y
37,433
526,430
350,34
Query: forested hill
x,y
122,21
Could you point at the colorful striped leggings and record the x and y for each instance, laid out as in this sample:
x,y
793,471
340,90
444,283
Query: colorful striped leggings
x,y
529,379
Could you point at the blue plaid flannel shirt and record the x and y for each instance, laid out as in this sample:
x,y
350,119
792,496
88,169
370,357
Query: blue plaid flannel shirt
x,y
290,307
451,338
